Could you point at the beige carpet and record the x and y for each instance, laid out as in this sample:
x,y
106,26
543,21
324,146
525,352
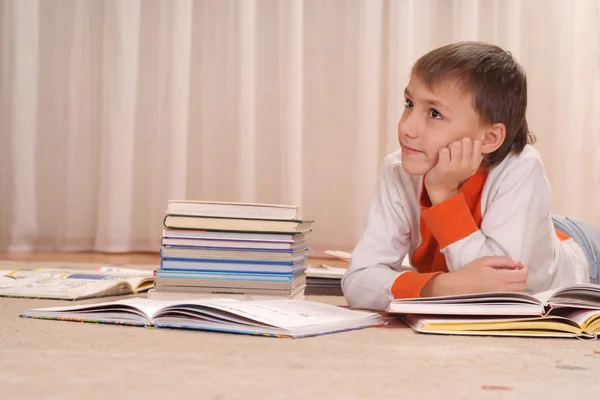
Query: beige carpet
x,y
67,360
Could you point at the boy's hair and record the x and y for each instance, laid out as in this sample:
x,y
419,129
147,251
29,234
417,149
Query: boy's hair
x,y
496,81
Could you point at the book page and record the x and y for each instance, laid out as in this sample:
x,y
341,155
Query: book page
x,y
582,316
69,284
52,287
582,294
325,271
292,313
544,296
140,304
475,298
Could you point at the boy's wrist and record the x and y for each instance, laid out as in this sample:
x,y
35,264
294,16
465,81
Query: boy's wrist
x,y
446,284
437,196
439,285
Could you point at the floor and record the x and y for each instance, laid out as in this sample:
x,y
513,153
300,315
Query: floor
x,y
50,359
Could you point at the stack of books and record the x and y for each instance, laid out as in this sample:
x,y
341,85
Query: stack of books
x,y
241,250
324,280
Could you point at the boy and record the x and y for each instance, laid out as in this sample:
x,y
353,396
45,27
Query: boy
x,y
467,193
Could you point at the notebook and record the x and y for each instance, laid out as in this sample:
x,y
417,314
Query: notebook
x,y
272,318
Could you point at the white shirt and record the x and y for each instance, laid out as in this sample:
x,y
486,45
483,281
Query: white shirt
x,y
516,222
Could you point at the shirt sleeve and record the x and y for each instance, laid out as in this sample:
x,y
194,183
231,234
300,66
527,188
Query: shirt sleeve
x,y
377,258
517,209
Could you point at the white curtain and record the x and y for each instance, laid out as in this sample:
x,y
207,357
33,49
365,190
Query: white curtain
x,y
110,108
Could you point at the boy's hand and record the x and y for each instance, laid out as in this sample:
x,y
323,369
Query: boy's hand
x,y
486,274
456,163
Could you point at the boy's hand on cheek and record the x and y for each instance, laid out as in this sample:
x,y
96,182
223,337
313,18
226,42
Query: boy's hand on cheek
x,y
456,163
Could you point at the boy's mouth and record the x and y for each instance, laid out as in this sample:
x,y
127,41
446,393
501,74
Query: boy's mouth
x,y
408,149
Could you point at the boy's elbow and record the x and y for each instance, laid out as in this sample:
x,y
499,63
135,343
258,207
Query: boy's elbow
x,y
359,296
351,292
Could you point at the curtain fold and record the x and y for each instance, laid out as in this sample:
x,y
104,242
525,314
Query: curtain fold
x,y
110,108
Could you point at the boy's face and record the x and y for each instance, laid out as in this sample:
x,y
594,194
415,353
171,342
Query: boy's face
x,y
432,119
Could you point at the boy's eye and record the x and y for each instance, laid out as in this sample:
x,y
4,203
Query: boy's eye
x,y
433,113
408,103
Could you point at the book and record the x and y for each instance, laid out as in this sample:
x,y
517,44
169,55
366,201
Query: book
x,y
324,280
233,282
229,254
195,275
200,265
233,210
183,294
233,236
249,250
70,284
232,244
172,221
271,318
569,311
325,272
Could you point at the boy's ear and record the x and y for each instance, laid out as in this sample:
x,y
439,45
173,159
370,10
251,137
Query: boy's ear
x,y
494,138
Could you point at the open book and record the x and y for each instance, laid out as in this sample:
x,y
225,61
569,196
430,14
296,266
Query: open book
x,y
276,318
70,284
570,311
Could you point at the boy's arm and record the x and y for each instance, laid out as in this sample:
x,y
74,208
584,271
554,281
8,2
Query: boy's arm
x,y
515,215
377,258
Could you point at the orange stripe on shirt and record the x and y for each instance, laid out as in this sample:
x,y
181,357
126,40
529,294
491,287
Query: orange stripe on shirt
x,y
562,236
445,223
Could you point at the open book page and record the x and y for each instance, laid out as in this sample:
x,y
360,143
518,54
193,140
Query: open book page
x,y
325,271
584,318
292,313
475,298
574,295
287,318
148,308
543,327
495,303
544,296
70,284
53,287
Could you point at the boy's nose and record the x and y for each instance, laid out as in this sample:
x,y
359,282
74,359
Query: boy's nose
x,y
406,128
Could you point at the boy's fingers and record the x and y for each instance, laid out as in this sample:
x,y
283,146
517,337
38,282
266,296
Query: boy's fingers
x,y
517,286
500,261
467,145
467,152
455,153
515,276
444,157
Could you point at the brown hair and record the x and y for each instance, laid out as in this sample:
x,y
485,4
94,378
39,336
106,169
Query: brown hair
x,y
496,81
